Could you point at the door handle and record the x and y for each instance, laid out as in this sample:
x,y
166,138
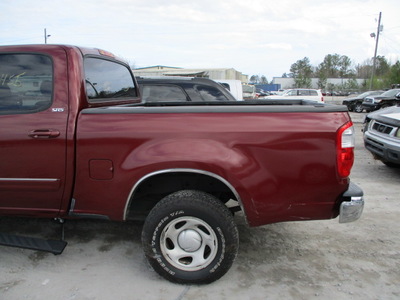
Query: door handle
x,y
44,133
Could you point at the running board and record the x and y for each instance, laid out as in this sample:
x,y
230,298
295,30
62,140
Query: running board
x,y
53,246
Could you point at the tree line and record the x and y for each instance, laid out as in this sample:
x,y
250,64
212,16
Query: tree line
x,y
341,66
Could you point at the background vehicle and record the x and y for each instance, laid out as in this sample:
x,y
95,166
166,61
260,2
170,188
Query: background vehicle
x,y
355,103
382,135
233,86
87,146
181,89
260,93
305,94
386,99
249,91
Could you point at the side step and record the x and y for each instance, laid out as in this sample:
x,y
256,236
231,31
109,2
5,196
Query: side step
x,y
53,246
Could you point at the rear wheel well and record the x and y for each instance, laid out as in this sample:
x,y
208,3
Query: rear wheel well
x,y
154,188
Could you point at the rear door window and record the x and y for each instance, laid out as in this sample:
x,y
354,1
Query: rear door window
x,y
304,93
107,80
292,93
163,93
26,83
210,93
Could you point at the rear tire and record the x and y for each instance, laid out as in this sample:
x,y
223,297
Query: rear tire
x,y
190,237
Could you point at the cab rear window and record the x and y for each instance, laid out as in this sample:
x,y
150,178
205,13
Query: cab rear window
x,y
107,80
26,83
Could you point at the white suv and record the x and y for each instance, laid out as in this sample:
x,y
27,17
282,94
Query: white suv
x,y
304,94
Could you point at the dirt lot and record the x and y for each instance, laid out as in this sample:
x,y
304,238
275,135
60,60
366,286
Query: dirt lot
x,y
304,260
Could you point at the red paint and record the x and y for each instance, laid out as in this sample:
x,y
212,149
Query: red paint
x,y
285,166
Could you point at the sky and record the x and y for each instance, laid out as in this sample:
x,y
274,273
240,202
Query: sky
x,y
255,37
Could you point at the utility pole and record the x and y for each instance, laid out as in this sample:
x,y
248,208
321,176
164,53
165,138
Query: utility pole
x,y
376,49
46,36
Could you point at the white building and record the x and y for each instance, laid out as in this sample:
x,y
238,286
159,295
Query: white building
x,y
217,73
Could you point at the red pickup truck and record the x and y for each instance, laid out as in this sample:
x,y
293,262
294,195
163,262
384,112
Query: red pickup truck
x,y
76,141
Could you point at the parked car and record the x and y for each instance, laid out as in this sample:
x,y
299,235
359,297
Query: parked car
x,y
382,135
388,98
249,92
182,89
355,103
304,94
260,93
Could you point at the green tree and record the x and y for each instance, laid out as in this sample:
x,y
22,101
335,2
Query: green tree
x,y
382,67
351,84
335,66
364,70
302,73
344,67
255,79
322,78
263,80
385,74
330,87
393,75
341,66
330,66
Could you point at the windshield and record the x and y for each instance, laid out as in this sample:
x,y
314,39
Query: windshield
x,y
390,93
363,95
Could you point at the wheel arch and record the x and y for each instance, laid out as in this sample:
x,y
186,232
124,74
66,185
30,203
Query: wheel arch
x,y
154,186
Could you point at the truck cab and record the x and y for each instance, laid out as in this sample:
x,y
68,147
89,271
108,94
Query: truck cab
x,y
42,91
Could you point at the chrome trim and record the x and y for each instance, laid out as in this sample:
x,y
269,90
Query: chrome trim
x,y
351,211
381,128
182,170
29,179
37,184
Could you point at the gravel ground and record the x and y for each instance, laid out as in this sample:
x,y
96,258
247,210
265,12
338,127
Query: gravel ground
x,y
303,260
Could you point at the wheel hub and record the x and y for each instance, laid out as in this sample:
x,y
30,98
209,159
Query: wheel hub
x,y
189,240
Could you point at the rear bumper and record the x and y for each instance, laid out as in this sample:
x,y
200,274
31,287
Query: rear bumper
x,y
352,206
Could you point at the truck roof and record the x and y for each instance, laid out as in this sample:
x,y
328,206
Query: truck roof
x,y
40,47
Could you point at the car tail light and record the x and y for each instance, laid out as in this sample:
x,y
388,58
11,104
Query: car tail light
x,y
345,149
322,98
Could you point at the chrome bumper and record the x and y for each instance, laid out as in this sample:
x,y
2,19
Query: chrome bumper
x,y
353,204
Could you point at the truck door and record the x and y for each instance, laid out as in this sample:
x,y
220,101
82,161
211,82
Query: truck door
x,y
33,122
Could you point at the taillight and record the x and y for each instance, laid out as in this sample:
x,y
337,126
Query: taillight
x,y
345,149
